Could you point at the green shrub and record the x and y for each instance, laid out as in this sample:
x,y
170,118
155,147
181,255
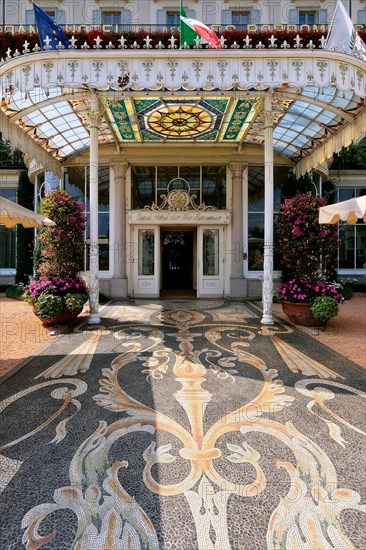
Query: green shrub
x,y
15,291
347,292
48,306
324,308
75,302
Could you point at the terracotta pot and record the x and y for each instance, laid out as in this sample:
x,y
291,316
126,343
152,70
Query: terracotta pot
x,y
63,318
301,314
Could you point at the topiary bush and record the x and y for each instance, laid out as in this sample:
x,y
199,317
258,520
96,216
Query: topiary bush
x,y
324,308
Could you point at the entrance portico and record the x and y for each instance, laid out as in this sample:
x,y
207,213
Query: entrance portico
x,y
194,108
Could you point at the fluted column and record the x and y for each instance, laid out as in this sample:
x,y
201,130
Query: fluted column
x,y
94,118
119,281
267,290
237,281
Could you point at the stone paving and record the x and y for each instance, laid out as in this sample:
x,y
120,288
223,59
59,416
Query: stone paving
x,y
184,425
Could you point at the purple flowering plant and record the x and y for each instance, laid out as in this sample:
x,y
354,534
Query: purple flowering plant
x,y
305,290
57,284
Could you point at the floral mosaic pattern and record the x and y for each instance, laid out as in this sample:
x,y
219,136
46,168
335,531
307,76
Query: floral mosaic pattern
x,y
198,420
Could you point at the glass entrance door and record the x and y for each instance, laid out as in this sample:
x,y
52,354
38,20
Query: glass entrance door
x,y
210,263
145,262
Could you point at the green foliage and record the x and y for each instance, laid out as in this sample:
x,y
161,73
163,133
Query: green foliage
x,y
302,243
48,306
25,236
324,308
347,292
62,246
5,152
351,158
15,291
75,302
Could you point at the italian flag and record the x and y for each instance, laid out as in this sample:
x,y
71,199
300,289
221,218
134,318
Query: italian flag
x,y
190,28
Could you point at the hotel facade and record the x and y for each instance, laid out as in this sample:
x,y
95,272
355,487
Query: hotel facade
x,y
180,154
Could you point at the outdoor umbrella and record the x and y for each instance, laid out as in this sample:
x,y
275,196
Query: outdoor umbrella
x,y
347,211
12,214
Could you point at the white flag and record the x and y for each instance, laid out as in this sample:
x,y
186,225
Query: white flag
x,y
342,35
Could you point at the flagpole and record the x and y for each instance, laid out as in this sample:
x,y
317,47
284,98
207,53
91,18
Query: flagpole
x,y
332,21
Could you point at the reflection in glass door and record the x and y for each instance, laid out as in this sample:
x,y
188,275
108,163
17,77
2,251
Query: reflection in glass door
x,y
145,264
210,273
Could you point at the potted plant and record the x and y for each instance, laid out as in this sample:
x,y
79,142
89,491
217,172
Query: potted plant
x,y
324,308
58,293
307,252
298,296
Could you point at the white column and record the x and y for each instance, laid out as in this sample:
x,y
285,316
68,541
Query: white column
x,y
267,290
119,281
237,281
94,119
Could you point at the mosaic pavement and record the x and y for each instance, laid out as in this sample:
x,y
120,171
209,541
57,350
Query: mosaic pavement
x,y
184,425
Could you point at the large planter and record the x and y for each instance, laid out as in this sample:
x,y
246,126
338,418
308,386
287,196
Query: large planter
x,y
301,314
63,318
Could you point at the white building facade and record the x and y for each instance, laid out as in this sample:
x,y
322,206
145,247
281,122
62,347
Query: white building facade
x,y
164,14
180,154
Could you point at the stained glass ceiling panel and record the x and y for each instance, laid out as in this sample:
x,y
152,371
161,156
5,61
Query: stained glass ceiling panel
x,y
59,122
224,119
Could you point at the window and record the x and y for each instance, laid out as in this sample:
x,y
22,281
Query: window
x,y
256,212
240,18
208,183
210,252
77,184
111,18
352,251
51,13
146,252
307,17
172,18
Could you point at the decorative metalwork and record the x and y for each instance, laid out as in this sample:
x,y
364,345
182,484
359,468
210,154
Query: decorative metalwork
x,y
173,238
178,200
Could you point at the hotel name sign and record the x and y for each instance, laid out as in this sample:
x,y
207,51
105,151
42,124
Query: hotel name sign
x,y
32,29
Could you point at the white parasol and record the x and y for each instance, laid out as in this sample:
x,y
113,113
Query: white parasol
x,y
347,211
12,213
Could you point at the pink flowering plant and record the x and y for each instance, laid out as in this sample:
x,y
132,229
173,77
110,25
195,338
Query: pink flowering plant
x,y
305,290
57,285
305,248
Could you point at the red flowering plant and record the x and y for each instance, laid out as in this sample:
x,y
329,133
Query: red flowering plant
x,y
307,251
57,285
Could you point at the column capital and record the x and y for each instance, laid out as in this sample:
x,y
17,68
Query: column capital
x,y
237,169
120,169
268,119
94,119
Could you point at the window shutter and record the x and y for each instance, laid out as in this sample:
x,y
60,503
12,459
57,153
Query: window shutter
x,y
323,17
97,17
293,16
226,17
361,17
29,17
255,17
161,17
60,18
191,14
126,17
